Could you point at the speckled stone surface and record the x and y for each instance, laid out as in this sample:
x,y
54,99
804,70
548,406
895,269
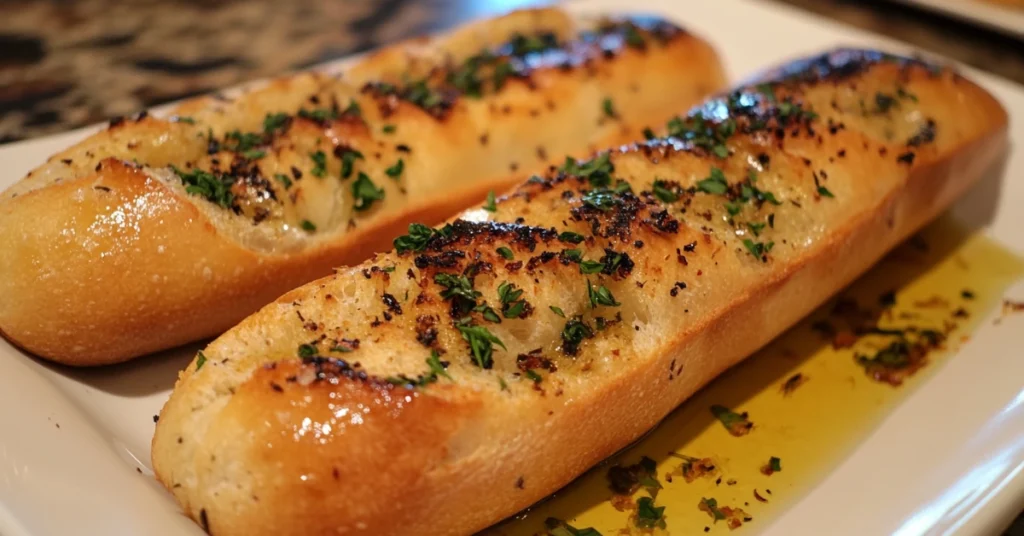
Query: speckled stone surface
x,y
66,64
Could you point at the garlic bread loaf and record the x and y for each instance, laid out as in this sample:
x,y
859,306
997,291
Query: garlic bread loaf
x,y
484,364
159,231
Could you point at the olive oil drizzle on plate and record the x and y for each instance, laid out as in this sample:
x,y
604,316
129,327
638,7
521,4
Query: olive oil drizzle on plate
x,y
946,278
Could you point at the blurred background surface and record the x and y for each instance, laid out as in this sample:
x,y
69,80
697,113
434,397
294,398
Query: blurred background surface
x,y
66,64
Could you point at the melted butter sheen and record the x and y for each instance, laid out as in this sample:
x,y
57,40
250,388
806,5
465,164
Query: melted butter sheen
x,y
813,428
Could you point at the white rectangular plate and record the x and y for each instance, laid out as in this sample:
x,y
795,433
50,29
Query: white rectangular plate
x,y
74,446
1008,20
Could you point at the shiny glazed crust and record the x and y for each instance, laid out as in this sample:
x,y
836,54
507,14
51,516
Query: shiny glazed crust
x,y
111,254
355,404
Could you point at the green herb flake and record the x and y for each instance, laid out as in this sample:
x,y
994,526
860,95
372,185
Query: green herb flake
x,y
254,154
649,516
306,351
395,170
185,119
557,527
437,368
573,333
416,240
319,164
214,188
308,226
200,360
824,192
758,249
285,180
571,237
491,204
737,424
608,107
320,115
533,376
649,133
600,296
591,267
365,192
755,227
506,253
348,162
711,507
481,343
557,310
715,183
274,122
389,129
663,192
775,464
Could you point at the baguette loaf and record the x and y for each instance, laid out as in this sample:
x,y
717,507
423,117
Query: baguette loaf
x,y
156,232
483,365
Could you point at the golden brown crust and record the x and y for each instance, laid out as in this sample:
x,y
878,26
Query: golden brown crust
x,y
115,262
335,420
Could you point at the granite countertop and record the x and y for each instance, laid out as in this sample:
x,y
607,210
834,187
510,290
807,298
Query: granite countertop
x,y
68,64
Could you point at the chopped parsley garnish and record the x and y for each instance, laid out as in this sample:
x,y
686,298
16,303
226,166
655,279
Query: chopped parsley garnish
x,y
756,227
395,170
649,133
215,188
389,129
365,192
711,507
241,141
597,171
274,122
285,180
573,255
703,133
348,160
533,376
733,208
608,107
790,110
319,164
308,226
557,310
320,115
715,183
506,253
824,192
570,237
511,304
758,249
600,296
649,516
488,313
775,464
353,109
736,423
591,267
306,350
600,199
200,360
481,343
662,190
254,154
419,94
521,45
457,287
490,205
437,368
573,333
557,527
418,237
184,119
